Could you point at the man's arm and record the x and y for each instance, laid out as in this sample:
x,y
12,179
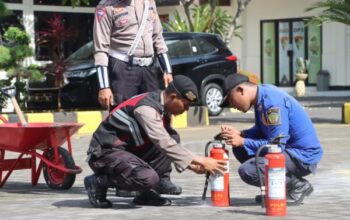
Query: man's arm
x,y
161,49
152,123
101,34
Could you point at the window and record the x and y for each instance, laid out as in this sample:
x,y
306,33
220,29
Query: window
x,y
181,48
206,47
74,20
13,1
84,53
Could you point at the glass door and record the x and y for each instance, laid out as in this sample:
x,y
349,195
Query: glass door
x,y
284,54
282,42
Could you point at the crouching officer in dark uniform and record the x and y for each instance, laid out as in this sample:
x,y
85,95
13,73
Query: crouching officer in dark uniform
x,y
128,42
135,145
276,113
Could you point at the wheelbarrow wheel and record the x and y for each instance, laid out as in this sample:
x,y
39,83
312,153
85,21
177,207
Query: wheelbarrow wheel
x,y
56,179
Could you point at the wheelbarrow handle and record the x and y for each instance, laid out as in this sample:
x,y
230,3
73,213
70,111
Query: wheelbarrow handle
x,y
10,92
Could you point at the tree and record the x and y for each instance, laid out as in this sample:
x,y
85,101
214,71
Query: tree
x,y
332,11
12,56
205,18
208,18
54,37
234,27
3,10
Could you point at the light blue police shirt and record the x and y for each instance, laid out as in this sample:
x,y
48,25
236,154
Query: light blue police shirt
x,y
277,113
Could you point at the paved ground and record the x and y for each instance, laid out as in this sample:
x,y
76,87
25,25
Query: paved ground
x,y
330,200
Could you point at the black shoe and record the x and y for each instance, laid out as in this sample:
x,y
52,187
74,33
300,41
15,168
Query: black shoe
x,y
297,189
151,197
258,199
126,193
97,194
167,187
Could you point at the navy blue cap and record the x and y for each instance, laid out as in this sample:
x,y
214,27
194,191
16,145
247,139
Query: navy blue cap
x,y
231,82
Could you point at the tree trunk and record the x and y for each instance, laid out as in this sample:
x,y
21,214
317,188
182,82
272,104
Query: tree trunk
x,y
241,6
186,4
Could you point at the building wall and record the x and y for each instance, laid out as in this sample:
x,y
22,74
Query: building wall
x,y
336,53
336,48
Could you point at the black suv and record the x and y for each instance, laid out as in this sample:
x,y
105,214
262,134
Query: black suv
x,y
202,57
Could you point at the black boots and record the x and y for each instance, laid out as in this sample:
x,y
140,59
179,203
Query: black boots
x,y
297,189
151,197
96,187
167,187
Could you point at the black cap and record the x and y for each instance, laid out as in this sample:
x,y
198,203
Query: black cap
x,y
231,82
184,87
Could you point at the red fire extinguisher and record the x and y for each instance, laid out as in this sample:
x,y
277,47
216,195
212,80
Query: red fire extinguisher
x,y
274,191
275,182
219,184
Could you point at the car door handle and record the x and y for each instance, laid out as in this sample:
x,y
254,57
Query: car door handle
x,y
201,60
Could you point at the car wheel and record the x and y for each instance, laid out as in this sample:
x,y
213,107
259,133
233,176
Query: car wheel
x,y
212,97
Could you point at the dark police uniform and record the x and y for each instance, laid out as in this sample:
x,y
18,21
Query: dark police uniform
x,y
125,71
277,113
135,145
134,152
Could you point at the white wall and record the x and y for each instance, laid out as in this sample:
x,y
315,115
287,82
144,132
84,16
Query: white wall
x,y
336,53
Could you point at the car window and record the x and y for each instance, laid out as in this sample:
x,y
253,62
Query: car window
x,y
179,48
83,53
206,46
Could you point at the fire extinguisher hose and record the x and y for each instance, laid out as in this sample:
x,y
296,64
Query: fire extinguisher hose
x,y
261,179
206,153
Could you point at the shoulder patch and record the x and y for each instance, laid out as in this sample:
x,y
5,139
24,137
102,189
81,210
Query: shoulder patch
x,y
100,13
273,116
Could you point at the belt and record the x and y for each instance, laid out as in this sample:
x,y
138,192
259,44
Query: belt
x,y
140,61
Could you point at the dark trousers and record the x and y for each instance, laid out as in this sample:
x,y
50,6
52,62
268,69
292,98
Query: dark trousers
x,y
247,170
128,80
131,172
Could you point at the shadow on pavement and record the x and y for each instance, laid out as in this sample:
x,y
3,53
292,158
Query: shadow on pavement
x,y
126,203
197,201
245,212
84,203
40,188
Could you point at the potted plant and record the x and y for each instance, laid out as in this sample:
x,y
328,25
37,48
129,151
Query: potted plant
x,y
302,68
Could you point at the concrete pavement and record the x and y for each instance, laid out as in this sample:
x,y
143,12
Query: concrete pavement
x,y
330,200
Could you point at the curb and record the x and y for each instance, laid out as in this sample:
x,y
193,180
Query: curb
x,y
346,113
195,116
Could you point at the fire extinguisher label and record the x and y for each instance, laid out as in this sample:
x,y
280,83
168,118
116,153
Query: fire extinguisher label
x,y
276,183
217,182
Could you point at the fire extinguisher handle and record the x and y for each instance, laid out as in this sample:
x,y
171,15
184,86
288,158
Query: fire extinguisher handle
x,y
204,195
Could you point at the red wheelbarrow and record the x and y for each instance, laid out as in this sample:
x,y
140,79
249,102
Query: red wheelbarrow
x,y
42,141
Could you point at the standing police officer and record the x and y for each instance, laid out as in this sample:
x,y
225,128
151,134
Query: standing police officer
x,y
127,39
134,145
276,114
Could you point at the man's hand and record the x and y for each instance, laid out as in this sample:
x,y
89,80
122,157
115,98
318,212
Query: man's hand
x,y
197,168
167,79
232,136
228,128
210,165
105,97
